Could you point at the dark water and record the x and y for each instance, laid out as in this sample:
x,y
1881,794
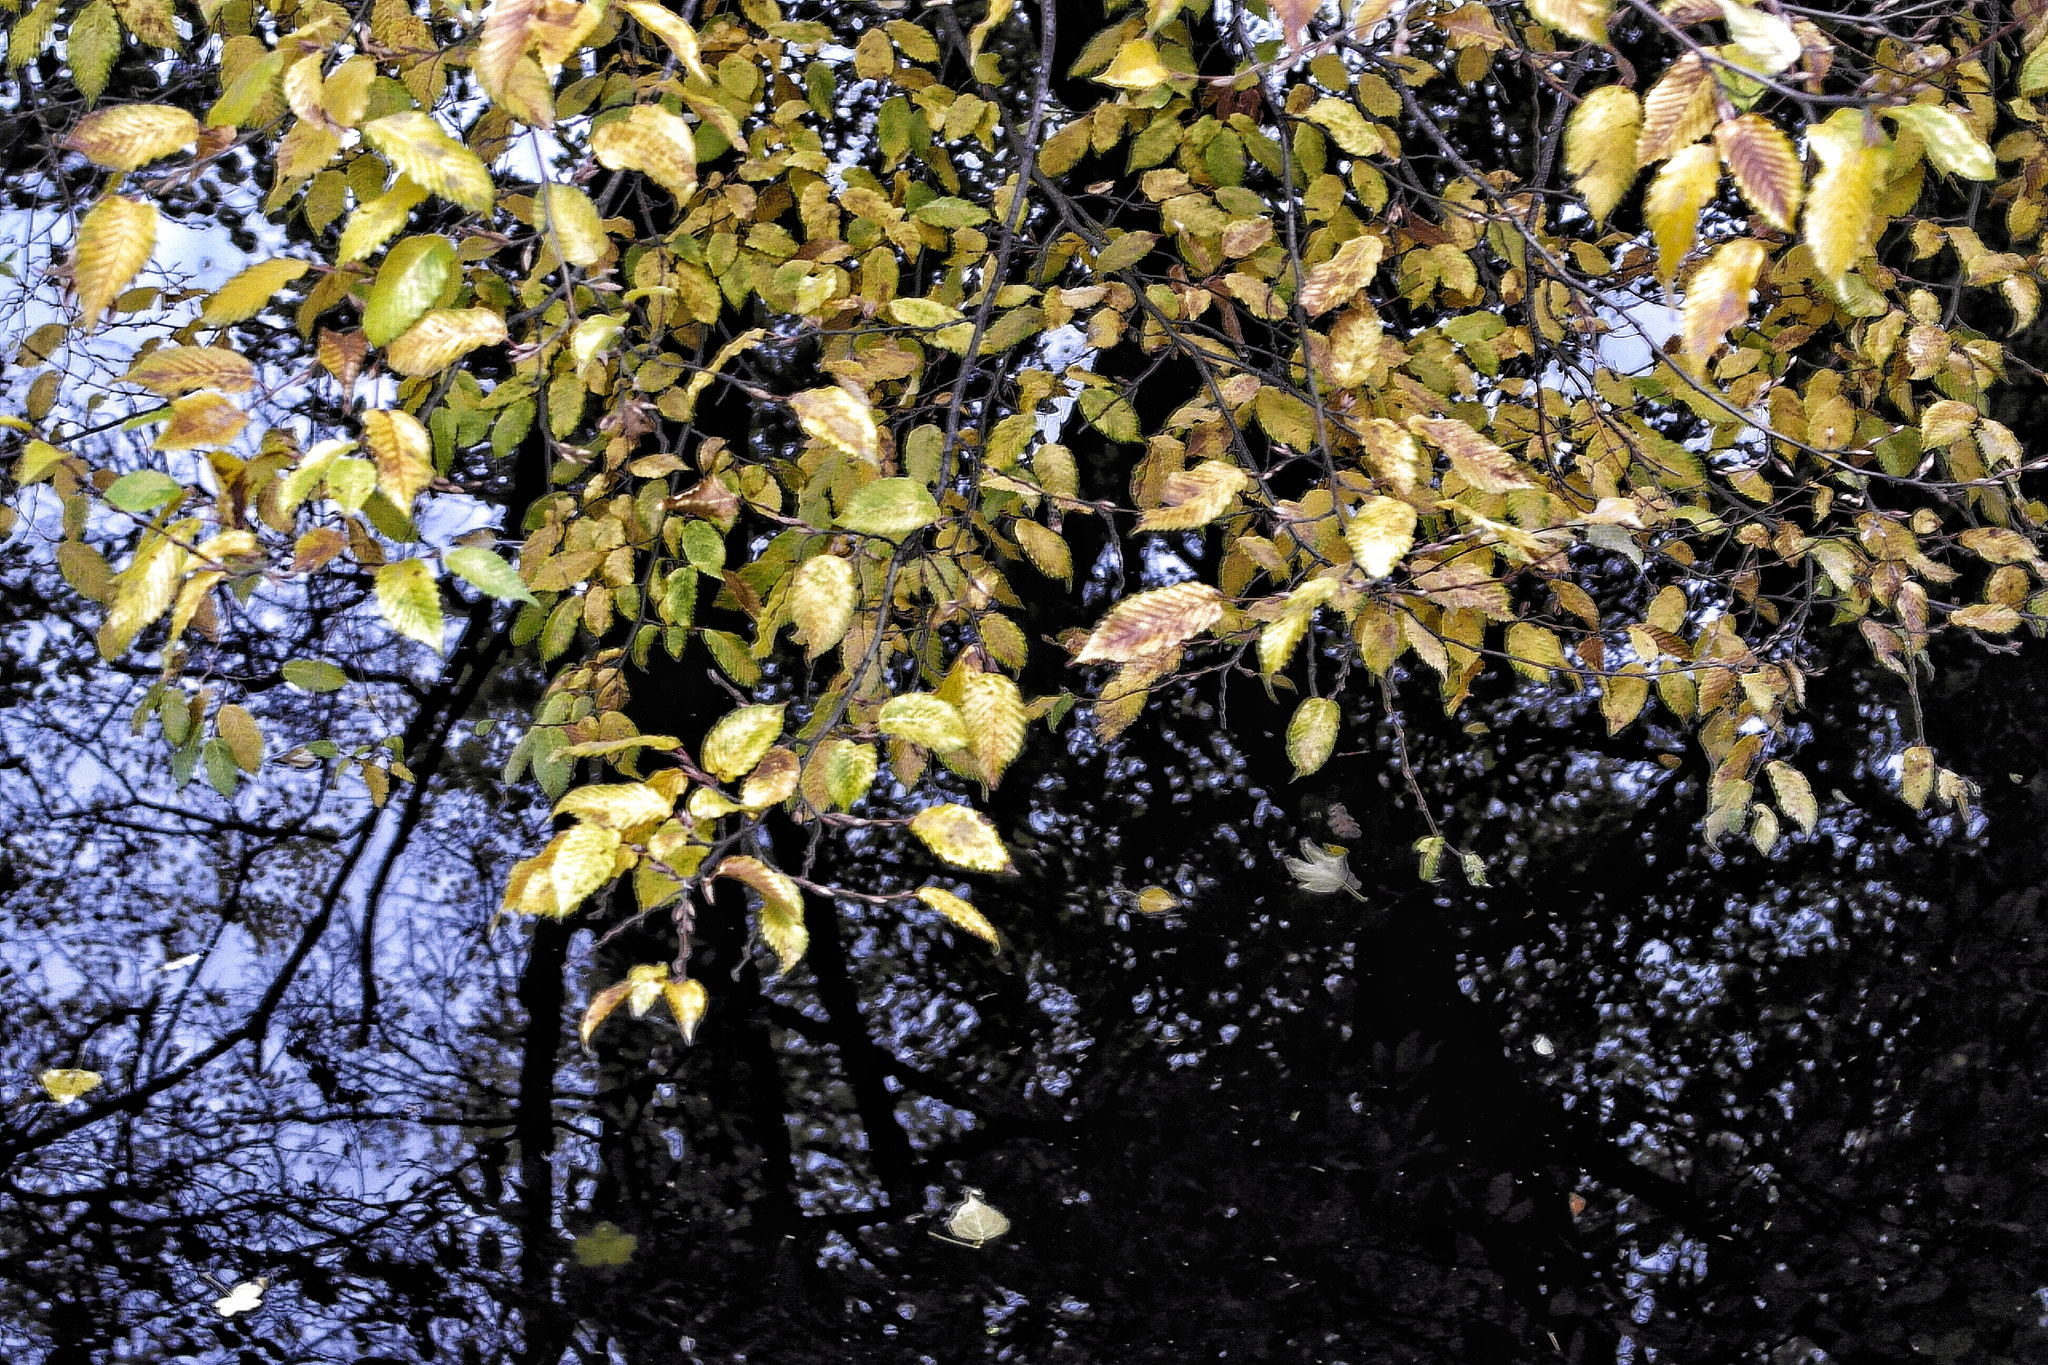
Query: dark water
x,y
1636,1100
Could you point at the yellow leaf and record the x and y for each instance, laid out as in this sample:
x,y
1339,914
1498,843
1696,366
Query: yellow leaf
x,y
1136,67
1151,621
1622,696
442,337
1600,147
993,713
1794,793
1916,775
143,591
782,907
1673,203
66,1084
600,1009
1046,549
1312,734
1678,111
671,29
1382,530
848,770
571,223
822,597
1765,167
617,805
924,719
1533,650
772,781
115,240
172,370
1718,296
585,858
1195,497
375,222
203,420
654,142
130,136
502,44
1989,617
403,451
840,420
961,837
1478,461
961,914
687,1002
1156,900
736,741
426,155
243,736
1841,213
411,601
1585,20
1336,280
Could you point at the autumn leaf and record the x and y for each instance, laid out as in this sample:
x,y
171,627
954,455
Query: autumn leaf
x,y
1151,621
1765,167
960,913
1678,111
130,136
1717,297
839,419
1674,201
116,238
1600,147
1312,734
426,155
961,837
1478,461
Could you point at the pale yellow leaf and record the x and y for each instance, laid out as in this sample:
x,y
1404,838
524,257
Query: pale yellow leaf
x,y
1673,202
1381,532
961,837
1151,621
961,913
1718,295
130,136
736,741
115,240
654,142
840,419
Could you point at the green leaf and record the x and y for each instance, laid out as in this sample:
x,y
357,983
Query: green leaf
x,y
93,44
221,772
412,278
922,313
1110,413
487,573
890,508
313,675
1125,252
143,490
410,601
704,547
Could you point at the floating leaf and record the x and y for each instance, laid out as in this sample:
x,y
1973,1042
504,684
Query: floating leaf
x,y
66,1084
1323,870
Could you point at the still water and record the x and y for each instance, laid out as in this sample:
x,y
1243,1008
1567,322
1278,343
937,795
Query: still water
x,y
1633,1100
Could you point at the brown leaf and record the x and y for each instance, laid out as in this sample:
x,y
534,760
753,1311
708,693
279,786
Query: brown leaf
x,y
1152,621
1765,167
1478,461
1678,111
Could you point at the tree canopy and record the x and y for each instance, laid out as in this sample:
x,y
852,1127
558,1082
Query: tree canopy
x,y
776,470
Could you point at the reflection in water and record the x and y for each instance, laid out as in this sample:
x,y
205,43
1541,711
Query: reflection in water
x,y
1632,1101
